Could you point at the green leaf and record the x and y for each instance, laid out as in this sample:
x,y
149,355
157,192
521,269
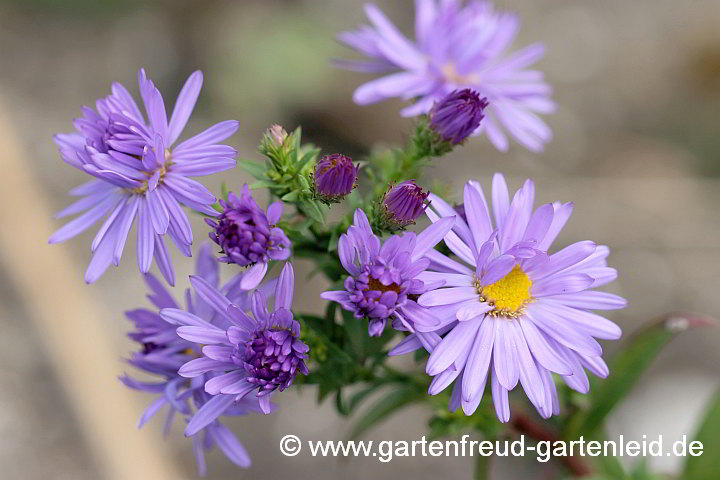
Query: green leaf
x,y
290,197
312,320
314,210
358,397
626,368
332,368
642,471
330,325
612,467
482,467
340,405
347,407
310,155
361,345
421,355
356,333
339,355
387,405
261,184
255,169
706,465
332,244
304,182
296,137
334,373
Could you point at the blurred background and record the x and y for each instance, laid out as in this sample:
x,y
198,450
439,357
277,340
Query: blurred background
x,y
636,147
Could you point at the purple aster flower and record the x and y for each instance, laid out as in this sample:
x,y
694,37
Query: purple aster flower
x,y
248,236
139,174
511,312
163,352
457,115
384,281
260,354
334,177
401,205
456,47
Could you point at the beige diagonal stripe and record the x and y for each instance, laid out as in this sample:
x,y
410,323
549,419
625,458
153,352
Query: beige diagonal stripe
x,y
86,364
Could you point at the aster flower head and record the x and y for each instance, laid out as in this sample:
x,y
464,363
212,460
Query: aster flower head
x,y
384,280
457,115
248,236
139,173
511,312
456,47
260,354
401,205
162,352
334,178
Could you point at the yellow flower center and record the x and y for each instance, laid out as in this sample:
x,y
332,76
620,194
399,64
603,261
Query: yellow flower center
x,y
451,74
163,170
375,284
509,295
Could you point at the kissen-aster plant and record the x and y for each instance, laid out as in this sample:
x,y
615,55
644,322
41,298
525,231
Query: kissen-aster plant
x,y
139,174
481,299
456,47
515,313
163,352
258,354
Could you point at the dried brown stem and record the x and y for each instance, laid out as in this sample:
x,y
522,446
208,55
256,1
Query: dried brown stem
x,y
522,423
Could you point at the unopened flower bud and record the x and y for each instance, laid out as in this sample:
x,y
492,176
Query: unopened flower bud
x,y
334,178
402,204
277,134
457,115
